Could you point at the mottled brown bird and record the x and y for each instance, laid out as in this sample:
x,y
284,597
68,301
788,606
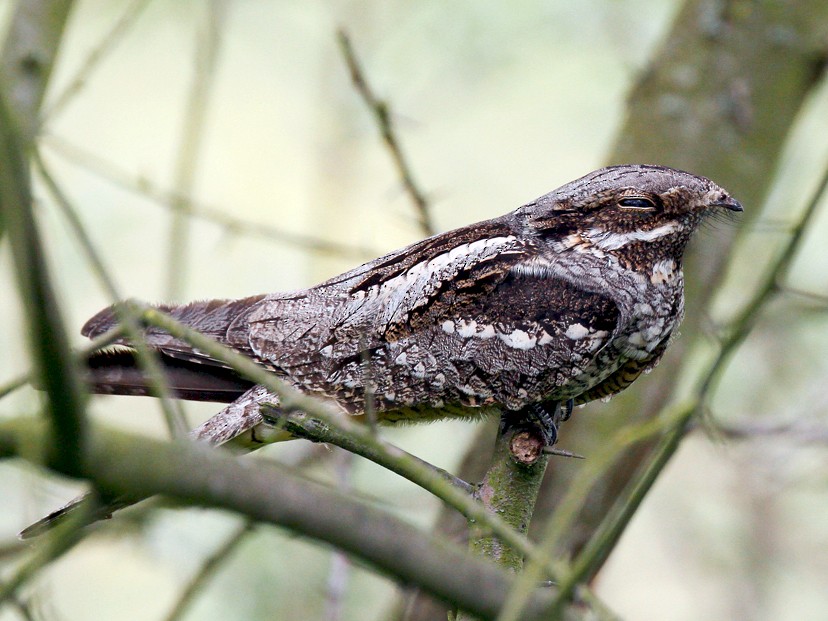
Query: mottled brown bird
x,y
568,298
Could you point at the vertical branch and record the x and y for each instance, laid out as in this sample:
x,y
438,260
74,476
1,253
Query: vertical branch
x,y
26,61
109,41
208,570
510,489
382,116
147,359
198,101
27,58
47,338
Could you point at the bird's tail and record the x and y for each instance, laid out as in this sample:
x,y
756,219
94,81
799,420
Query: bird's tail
x,y
190,374
74,507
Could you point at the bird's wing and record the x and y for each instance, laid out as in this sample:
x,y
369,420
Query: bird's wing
x,y
454,315
371,303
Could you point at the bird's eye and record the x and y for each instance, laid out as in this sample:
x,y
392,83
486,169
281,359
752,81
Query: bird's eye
x,y
637,203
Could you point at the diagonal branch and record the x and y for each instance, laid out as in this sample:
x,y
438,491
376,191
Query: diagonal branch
x,y
81,157
382,116
125,464
291,400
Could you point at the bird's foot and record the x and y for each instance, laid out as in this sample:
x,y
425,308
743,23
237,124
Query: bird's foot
x,y
548,416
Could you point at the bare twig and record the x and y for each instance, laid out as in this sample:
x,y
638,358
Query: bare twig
x,y
47,336
109,41
777,274
304,424
208,569
383,117
146,358
195,113
795,431
121,178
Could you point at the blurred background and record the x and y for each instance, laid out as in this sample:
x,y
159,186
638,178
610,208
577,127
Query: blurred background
x,y
246,109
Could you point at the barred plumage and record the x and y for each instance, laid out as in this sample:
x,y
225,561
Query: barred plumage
x,y
569,297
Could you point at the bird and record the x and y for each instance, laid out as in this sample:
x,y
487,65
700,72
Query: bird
x,y
567,299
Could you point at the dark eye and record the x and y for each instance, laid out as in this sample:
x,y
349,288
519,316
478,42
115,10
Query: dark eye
x,y
637,203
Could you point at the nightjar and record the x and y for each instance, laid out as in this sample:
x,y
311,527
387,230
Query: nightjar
x,y
568,298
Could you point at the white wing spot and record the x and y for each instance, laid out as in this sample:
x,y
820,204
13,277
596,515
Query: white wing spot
x,y
577,331
486,333
448,326
518,339
466,329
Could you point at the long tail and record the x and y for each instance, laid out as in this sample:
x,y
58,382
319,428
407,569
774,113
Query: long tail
x,y
117,372
190,374
239,427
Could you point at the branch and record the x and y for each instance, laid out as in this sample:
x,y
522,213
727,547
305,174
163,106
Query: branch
x,y
382,116
125,464
28,57
291,401
78,156
47,337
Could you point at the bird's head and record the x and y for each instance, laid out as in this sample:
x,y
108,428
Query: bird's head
x,y
636,212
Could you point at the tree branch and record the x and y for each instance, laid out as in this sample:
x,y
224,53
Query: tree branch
x,y
48,341
382,116
124,464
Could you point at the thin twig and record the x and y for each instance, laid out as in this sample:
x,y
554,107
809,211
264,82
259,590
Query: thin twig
x,y
81,157
207,50
147,359
818,298
795,431
208,569
776,275
305,424
109,41
383,117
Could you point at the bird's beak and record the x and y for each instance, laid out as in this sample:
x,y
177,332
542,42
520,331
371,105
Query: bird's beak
x,y
728,203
